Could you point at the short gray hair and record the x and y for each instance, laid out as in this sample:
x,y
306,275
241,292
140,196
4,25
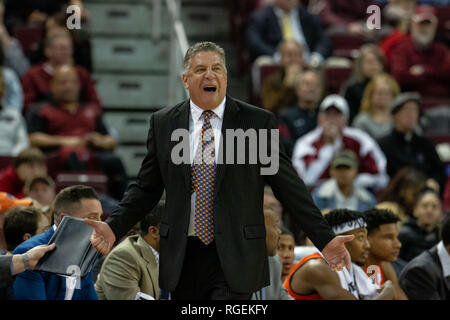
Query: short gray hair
x,y
200,47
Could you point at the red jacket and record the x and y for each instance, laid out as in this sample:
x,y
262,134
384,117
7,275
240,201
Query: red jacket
x,y
435,61
10,182
36,86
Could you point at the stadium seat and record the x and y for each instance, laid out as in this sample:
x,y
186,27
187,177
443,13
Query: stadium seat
x,y
336,77
345,45
28,37
96,180
5,161
443,31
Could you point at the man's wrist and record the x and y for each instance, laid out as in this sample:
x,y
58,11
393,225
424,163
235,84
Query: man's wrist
x,y
26,261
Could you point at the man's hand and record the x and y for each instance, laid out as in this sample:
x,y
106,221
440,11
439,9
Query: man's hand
x,y
336,254
102,237
387,291
33,254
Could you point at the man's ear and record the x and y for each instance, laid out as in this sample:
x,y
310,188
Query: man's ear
x,y
26,236
184,78
153,231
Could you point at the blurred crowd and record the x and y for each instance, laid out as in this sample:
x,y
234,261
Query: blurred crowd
x,y
364,114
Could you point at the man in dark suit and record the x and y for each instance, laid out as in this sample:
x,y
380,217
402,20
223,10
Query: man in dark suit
x,y
212,232
267,27
427,276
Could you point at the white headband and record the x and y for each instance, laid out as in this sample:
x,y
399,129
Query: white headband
x,y
349,226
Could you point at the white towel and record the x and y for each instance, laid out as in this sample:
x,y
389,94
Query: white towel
x,y
357,282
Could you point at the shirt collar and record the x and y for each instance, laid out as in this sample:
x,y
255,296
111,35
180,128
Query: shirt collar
x,y
196,111
444,257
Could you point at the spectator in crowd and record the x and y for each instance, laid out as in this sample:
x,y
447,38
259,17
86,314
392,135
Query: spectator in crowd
x,y
300,118
11,51
426,277
22,223
369,63
28,164
85,140
8,201
13,131
132,266
278,90
404,147
11,265
12,97
398,14
41,189
375,115
76,201
446,197
286,19
339,191
421,232
418,62
36,82
314,151
312,278
286,251
275,290
382,234
344,16
402,191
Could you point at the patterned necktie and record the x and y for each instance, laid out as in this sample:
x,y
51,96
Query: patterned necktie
x,y
287,27
203,173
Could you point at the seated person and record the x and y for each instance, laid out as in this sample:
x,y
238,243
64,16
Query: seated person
x,y
76,201
313,279
403,147
27,165
278,89
301,117
421,232
22,223
382,233
370,62
132,266
401,193
344,16
426,276
13,130
418,62
275,290
340,191
85,141
286,19
375,115
42,189
286,251
36,82
314,151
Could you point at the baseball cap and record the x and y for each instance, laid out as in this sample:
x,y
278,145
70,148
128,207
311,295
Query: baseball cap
x,y
337,101
424,12
345,158
402,98
7,201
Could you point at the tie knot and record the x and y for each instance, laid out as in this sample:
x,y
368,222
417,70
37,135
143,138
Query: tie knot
x,y
207,114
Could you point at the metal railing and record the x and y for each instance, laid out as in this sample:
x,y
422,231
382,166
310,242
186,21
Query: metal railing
x,y
178,45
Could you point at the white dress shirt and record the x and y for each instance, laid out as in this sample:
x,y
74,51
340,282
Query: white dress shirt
x,y
195,131
444,257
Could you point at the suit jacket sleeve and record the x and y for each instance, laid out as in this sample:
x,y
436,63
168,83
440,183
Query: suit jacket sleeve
x,y
120,276
5,271
141,196
419,284
257,45
290,190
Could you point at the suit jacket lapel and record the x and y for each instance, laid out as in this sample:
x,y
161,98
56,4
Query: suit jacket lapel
x,y
182,122
147,255
229,122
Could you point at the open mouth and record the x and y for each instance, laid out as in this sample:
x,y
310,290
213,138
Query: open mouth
x,y
210,89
